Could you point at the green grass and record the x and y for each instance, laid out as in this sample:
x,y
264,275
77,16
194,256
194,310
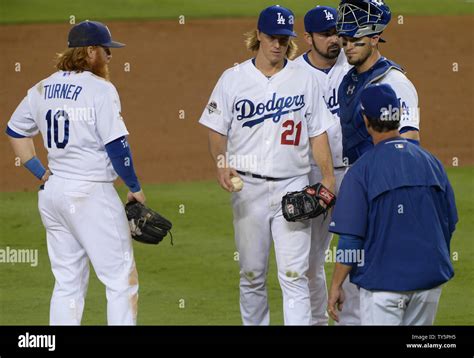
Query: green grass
x,y
199,271
32,11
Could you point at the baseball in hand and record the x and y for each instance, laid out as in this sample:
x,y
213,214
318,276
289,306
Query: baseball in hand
x,y
237,183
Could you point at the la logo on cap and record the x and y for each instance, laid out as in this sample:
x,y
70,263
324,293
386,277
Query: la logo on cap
x,y
281,19
328,15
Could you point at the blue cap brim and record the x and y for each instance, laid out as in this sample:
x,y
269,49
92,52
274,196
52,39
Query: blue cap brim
x,y
113,44
324,29
283,32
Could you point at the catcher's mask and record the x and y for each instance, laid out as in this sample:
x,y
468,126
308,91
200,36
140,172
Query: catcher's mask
x,y
359,18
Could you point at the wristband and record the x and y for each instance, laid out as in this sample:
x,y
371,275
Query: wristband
x,y
35,167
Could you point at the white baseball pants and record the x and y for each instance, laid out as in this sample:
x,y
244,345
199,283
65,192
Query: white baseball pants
x,y
257,220
320,240
412,308
87,221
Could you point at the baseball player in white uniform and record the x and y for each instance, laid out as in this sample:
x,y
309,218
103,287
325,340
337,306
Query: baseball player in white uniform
x,y
263,111
327,63
77,112
360,25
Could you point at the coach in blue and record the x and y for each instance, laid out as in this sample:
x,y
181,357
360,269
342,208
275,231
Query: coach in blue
x,y
395,215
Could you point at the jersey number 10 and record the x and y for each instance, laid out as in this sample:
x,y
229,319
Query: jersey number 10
x,y
55,123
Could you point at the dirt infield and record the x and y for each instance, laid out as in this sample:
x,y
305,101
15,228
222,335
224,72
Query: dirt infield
x,y
174,67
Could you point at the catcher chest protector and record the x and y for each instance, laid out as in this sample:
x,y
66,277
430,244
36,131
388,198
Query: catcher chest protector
x,y
354,133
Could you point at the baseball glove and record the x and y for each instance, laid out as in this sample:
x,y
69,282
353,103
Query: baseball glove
x,y
305,204
146,225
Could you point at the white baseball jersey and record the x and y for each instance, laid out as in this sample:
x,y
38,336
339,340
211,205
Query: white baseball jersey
x,y
77,115
407,96
268,120
329,83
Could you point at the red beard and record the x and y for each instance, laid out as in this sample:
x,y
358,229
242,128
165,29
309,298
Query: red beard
x,y
101,69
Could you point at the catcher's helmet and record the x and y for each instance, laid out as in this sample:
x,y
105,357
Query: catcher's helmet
x,y
359,18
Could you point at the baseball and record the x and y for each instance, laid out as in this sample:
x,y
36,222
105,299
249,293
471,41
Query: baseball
x,y
237,183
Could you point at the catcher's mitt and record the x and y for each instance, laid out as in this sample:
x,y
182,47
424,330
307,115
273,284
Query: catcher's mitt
x,y
146,225
304,204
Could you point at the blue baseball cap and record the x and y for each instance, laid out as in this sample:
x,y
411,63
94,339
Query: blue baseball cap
x,y
91,33
320,19
379,101
277,20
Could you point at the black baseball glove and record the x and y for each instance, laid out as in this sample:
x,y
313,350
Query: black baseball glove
x,y
146,225
305,204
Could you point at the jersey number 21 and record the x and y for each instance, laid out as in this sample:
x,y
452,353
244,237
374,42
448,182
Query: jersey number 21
x,y
289,137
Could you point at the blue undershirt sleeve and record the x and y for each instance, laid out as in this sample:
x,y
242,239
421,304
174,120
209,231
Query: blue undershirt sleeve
x,y
120,155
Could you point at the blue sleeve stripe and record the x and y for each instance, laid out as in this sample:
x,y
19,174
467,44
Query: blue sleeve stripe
x,y
13,134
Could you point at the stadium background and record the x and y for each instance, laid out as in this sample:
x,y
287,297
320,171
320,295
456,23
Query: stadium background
x,y
173,67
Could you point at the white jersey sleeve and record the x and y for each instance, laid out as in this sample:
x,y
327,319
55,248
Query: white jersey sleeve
x,y
408,97
110,125
319,117
22,121
218,113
